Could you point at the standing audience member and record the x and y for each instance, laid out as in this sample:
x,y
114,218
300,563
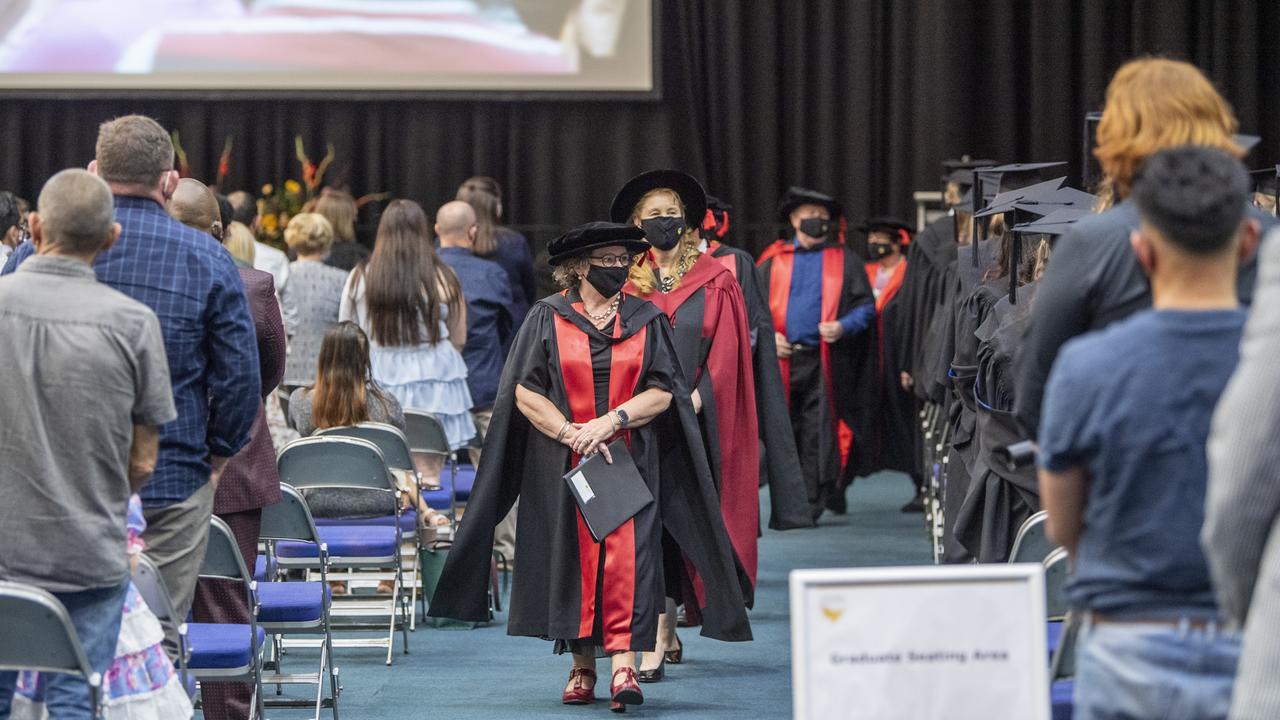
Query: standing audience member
x,y
192,285
500,244
311,298
489,328
411,307
244,210
1122,451
821,301
11,225
93,366
340,209
1241,537
251,480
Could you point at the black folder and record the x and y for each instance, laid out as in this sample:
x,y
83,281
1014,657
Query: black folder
x,y
608,495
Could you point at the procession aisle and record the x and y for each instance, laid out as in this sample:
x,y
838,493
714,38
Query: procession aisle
x,y
484,673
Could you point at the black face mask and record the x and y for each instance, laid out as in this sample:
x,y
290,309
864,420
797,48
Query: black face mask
x,y
663,233
815,227
879,250
607,281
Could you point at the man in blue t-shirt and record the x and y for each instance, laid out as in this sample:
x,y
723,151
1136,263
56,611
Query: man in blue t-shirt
x,y
1122,451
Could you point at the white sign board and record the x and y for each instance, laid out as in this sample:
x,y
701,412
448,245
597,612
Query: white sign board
x,y
917,643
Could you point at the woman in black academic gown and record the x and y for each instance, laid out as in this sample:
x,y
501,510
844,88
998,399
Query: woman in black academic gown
x,y
589,365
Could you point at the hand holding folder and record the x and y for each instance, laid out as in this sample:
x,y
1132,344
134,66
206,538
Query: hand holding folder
x,y
608,494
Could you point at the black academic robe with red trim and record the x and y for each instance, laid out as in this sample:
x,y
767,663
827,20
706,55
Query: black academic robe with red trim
x,y
844,287
712,341
519,461
891,410
788,497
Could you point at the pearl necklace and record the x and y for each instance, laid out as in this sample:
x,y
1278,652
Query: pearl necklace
x,y
608,313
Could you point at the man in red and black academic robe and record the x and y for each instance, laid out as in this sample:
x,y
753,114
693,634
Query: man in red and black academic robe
x,y
788,498
820,303
890,408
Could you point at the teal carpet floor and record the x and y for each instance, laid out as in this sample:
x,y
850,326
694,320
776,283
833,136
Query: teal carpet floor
x,y
484,673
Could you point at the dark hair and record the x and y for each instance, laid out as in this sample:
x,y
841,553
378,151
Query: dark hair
x,y
404,281
484,195
10,211
340,396
226,211
244,208
1194,195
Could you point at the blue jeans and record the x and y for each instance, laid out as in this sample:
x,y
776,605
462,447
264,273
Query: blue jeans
x,y
96,617
1145,671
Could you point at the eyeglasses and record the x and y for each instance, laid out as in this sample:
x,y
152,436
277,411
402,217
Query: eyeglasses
x,y
610,260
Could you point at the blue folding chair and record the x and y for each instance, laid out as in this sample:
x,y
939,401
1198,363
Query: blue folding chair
x,y
426,435
227,652
297,608
399,458
150,584
39,635
353,464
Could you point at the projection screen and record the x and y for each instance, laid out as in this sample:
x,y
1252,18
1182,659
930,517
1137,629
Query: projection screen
x,y
316,45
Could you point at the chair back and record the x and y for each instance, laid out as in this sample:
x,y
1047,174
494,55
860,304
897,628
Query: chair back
x,y
331,461
1055,584
289,518
222,555
1063,663
425,433
388,438
150,584
38,634
1031,544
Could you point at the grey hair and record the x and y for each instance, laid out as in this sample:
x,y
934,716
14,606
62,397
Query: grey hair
x,y
76,211
133,150
566,274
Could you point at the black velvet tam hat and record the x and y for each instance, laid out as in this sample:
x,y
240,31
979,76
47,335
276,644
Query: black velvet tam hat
x,y
585,238
797,196
692,196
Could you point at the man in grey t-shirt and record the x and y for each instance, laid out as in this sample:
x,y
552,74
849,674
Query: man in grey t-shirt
x,y
79,430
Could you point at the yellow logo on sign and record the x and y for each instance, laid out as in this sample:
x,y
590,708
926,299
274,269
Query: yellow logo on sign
x,y
833,614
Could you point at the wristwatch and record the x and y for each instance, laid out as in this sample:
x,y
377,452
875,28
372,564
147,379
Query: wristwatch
x,y
623,418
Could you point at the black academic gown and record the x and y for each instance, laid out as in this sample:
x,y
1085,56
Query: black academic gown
x,y
788,499
998,500
519,461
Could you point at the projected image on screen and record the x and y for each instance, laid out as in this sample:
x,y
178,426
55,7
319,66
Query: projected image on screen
x,y
524,45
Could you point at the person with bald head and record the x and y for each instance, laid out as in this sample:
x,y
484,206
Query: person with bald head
x,y
81,430
193,204
189,281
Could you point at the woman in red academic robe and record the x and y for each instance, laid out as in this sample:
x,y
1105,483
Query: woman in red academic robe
x,y
712,342
591,364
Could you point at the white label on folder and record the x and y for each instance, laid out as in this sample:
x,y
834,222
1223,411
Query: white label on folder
x,y
584,490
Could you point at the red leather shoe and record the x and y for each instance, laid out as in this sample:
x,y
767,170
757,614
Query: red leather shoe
x,y
625,692
580,694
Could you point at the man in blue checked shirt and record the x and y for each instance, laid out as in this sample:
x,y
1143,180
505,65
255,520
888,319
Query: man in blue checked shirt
x,y
192,285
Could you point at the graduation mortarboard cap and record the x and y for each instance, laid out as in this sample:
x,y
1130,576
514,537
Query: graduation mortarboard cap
x,y
961,171
585,238
683,184
1040,199
1266,180
794,197
1002,178
1058,222
1246,142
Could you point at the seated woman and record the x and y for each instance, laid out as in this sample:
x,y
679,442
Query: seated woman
x,y
590,365
344,394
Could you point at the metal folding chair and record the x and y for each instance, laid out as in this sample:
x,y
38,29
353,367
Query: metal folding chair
x,y
39,635
426,435
297,608
1032,544
227,652
150,584
350,463
395,451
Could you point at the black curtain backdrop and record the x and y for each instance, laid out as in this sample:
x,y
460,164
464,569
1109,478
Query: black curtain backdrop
x,y
859,98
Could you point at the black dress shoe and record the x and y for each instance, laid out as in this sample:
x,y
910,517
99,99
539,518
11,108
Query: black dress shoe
x,y
837,502
654,675
916,505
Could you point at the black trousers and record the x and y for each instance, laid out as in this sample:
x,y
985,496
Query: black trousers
x,y
811,420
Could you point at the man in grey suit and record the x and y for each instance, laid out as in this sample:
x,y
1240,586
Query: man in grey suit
x,y
1241,538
